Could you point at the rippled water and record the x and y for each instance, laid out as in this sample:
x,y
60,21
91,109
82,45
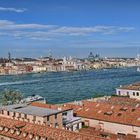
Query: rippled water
x,y
69,86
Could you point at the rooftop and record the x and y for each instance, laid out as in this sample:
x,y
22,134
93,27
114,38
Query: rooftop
x,y
31,110
96,132
122,114
126,101
116,109
50,106
134,86
23,131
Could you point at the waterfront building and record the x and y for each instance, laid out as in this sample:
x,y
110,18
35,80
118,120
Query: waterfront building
x,y
9,64
91,56
68,64
79,64
28,65
132,90
38,68
2,70
54,67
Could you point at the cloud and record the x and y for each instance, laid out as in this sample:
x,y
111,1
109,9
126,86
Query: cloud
x,y
94,29
4,9
48,32
9,25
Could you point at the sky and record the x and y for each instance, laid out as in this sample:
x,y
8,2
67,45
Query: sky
x,y
33,28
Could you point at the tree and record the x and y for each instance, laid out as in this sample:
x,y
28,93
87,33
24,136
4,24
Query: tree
x,y
11,97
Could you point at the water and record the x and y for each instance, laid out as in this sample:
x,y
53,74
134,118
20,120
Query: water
x,y
69,86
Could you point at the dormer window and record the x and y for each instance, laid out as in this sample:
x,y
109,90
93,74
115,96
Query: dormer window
x,y
123,108
119,114
138,119
108,113
104,135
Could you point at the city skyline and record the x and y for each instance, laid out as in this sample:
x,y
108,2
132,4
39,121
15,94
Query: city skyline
x,y
31,28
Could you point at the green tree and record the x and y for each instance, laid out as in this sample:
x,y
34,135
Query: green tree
x,y
11,97
99,95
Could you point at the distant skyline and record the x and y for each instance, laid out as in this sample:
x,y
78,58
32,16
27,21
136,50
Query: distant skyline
x,y
70,27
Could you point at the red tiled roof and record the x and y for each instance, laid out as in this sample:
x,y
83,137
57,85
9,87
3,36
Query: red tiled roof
x,y
40,131
134,86
50,106
99,111
126,101
95,132
107,112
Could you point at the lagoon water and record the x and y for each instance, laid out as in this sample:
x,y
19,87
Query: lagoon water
x,y
69,86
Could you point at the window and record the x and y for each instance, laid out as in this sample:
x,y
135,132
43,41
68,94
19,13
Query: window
x,y
14,114
135,131
56,124
47,118
137,93
19,115
34,118
25,115
77,126
127,93
8,113
55,116
121,134
64,113
133,93
119,92
2,112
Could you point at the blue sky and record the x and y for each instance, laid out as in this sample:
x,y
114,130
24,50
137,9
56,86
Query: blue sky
x,y
69,27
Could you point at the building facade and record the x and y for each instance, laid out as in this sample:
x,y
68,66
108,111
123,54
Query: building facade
x,y
132,90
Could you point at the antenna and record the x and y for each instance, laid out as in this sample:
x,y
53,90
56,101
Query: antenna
x,y
9,56
50,53
138,56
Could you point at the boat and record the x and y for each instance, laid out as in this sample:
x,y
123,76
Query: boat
x,y
33,98
138,69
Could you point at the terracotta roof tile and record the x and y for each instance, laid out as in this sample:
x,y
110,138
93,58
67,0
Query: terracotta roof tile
x,y
106,112
40,131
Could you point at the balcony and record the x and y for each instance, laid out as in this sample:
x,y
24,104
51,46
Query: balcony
x,y
71,121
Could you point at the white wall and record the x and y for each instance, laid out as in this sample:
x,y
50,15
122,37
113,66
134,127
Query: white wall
x,y
114,127
125,92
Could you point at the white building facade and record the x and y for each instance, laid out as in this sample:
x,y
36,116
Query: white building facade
x,y
132,91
